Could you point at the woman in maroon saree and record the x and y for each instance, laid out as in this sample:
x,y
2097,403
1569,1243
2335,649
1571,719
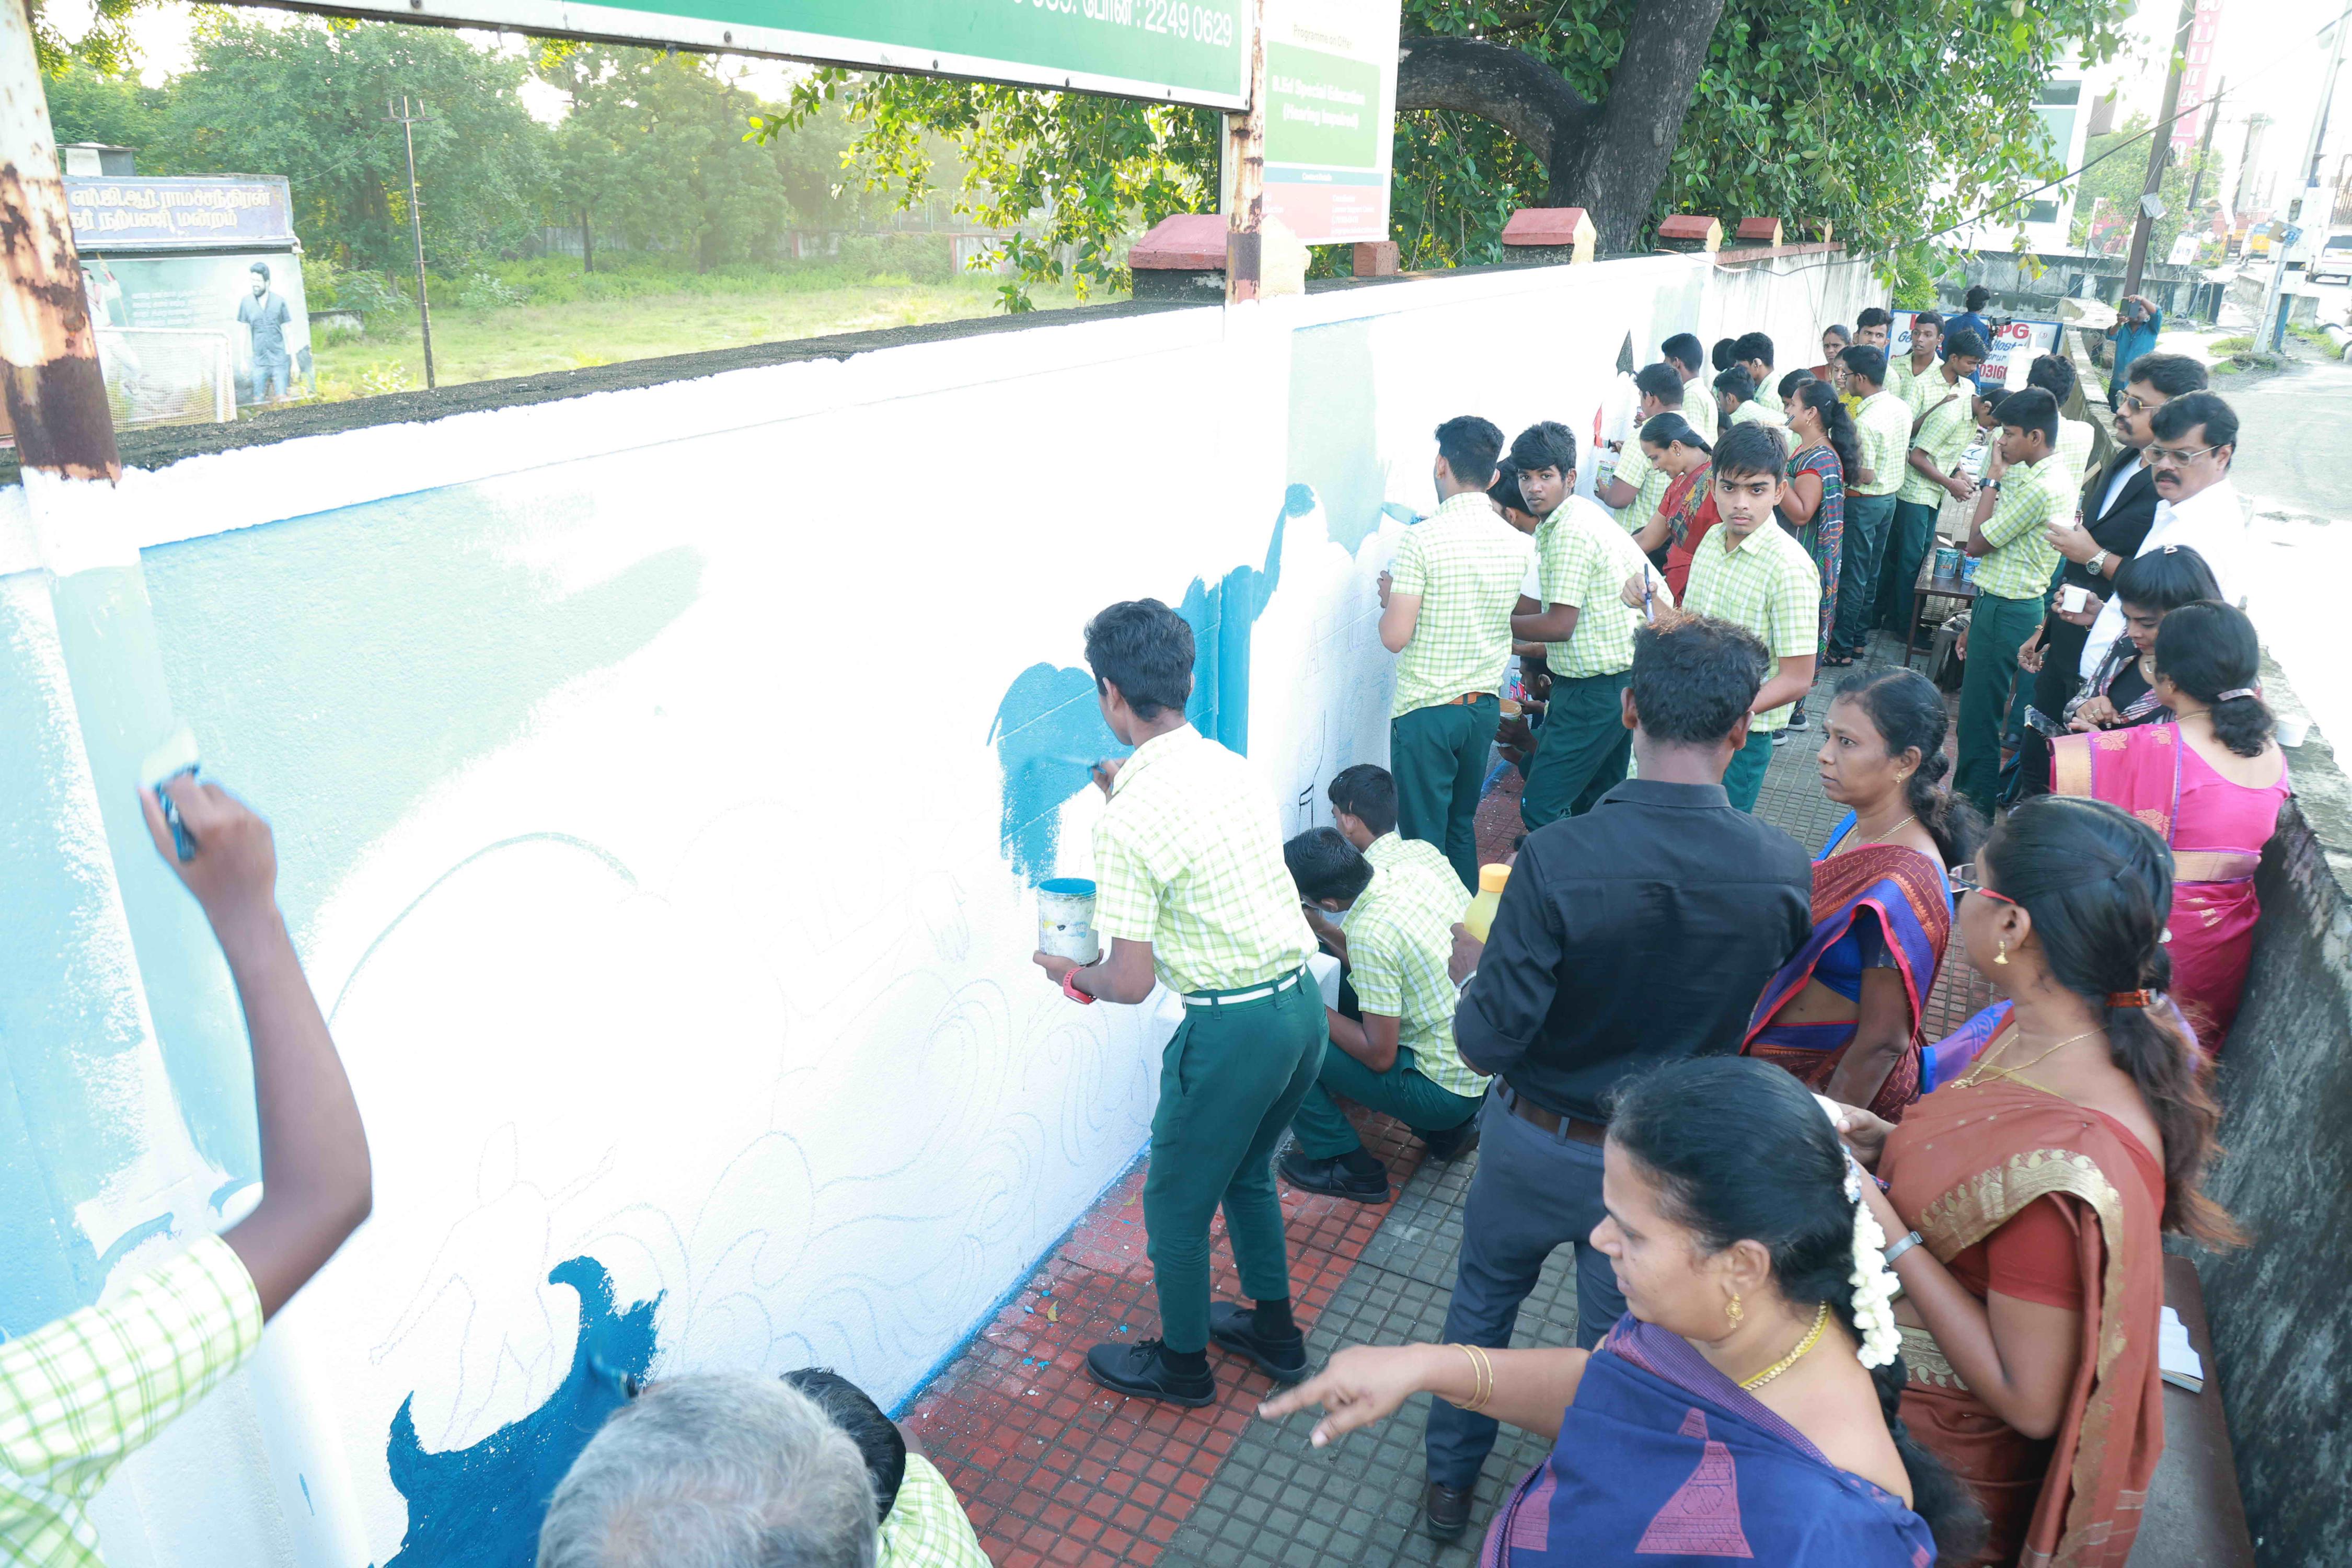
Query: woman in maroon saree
x,y
2029,1194
1845,1014
1742,1410
2211,782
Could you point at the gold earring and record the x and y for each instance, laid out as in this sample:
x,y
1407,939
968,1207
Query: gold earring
x,y
1734,1311
2002,956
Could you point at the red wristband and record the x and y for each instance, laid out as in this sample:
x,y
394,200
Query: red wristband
x,y
1070,989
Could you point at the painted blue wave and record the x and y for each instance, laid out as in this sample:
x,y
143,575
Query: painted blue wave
x,y
480,1507
1048,729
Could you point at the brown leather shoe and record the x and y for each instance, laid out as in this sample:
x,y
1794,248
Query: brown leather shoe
x,y
1448,1510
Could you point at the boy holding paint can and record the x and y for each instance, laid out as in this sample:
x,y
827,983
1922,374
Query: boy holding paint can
x,y
1192,892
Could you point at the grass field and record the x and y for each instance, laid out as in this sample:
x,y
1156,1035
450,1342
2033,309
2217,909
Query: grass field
x,y
486,343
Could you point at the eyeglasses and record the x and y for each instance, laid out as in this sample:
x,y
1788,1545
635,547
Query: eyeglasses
x,y
2134,406
1969,880
2178,457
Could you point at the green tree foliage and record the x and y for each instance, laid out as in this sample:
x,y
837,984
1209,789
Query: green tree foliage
x,y
1075,174
2115,171
310,101
86,104
1886,121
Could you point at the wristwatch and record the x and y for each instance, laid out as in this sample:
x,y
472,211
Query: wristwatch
x,y
2097,565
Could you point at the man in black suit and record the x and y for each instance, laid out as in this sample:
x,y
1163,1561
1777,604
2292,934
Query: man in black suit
x,y
1638,934
2118,508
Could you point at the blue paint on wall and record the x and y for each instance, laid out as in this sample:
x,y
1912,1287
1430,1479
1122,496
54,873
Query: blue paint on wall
x,y
1049,729
1334,427
480,1507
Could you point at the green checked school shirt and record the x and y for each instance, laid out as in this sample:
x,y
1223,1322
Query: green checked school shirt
x,y
1756,411
1943,435
1582,558
927,1527
1467,564
1698,409
80,1395
1399,937
1881,428
1770,586
1188,858
1649,482
2022,561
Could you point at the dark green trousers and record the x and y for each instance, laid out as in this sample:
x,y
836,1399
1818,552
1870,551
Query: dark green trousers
x,y
1998,627
1743,780
1912,536
1582,749
1323,1130
1438,756
1231,1078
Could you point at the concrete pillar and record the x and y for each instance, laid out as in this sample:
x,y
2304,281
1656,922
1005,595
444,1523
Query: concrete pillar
x,y
1758,231
1377,258
1546,236
1690,231
1183,257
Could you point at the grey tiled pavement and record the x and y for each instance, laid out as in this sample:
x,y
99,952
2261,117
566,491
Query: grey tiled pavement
x,y
1275,1503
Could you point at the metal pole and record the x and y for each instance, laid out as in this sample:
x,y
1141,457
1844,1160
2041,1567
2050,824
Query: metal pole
x,y
1246,160
2268,327
408,123
2159,148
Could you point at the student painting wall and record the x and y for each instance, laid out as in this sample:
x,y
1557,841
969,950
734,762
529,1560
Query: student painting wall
x,y
660,779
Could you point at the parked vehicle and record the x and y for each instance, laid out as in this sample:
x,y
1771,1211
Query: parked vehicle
x,y
2334,260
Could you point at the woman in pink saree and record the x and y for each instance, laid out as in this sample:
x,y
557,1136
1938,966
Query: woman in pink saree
x,y
2212,783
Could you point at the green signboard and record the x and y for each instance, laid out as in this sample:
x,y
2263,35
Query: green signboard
x,y
1331,117
1180,51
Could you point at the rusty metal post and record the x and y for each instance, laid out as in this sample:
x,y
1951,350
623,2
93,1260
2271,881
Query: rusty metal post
x,y
1245,163
48,357
108,644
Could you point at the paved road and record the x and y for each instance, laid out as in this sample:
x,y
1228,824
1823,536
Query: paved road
x,y
2294,463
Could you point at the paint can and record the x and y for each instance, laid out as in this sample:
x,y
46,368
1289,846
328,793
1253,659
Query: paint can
x,y
1065,918
1947,562
1968,568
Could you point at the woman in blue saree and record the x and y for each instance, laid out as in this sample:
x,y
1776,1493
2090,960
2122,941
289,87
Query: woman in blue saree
x,y
1846,1014
1744,1408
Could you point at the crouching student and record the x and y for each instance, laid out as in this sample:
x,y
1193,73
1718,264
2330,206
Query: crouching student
x,y
923,1524
1396,899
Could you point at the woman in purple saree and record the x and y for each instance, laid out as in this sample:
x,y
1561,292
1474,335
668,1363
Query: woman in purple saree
x,y
1743,1410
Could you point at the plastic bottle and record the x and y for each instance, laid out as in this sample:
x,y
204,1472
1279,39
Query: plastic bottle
x,y
1480,916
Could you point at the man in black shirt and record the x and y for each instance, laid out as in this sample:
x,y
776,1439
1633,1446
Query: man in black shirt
x,y
2118,509
1641,932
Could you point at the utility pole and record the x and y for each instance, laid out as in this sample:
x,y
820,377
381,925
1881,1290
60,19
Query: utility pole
x,y
2159,149
1244,174
2268,327
408,121
2205,145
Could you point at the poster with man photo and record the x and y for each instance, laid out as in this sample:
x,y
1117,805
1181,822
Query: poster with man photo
x,y
187,338
2022,341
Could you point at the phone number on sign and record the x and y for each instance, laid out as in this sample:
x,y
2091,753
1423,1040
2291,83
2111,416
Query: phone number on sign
x,y
1173,17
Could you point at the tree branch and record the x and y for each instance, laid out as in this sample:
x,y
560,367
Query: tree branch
x,y
1526,98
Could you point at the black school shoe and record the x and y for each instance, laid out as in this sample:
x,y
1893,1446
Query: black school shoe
x,y
1141,1370
1453,1142
1235,1327
1445,1511
1332,1178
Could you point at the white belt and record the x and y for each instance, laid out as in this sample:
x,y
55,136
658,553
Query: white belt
x,y
1228,998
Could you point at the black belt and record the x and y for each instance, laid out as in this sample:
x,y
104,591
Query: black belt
x,y
1552,1121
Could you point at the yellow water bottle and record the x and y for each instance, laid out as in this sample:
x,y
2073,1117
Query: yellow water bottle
x,y
1480,916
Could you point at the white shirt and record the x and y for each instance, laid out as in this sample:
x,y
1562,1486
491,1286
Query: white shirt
x,y
2116,486
2212,522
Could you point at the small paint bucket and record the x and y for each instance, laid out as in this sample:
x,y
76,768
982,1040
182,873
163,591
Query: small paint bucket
x,y
1065,918
1968,568
1947,562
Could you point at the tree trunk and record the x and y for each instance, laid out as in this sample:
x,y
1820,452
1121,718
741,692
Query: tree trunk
x,y
1607,158
587,243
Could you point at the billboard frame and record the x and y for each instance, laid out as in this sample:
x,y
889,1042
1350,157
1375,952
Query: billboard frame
x,y
662,30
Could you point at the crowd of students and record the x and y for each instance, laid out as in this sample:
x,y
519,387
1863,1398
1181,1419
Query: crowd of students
x,y
1909,1316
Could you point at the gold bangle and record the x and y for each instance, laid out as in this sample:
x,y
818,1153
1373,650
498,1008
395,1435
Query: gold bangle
x,y
1482,1380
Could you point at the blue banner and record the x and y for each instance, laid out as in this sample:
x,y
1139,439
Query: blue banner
x,y
179,212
